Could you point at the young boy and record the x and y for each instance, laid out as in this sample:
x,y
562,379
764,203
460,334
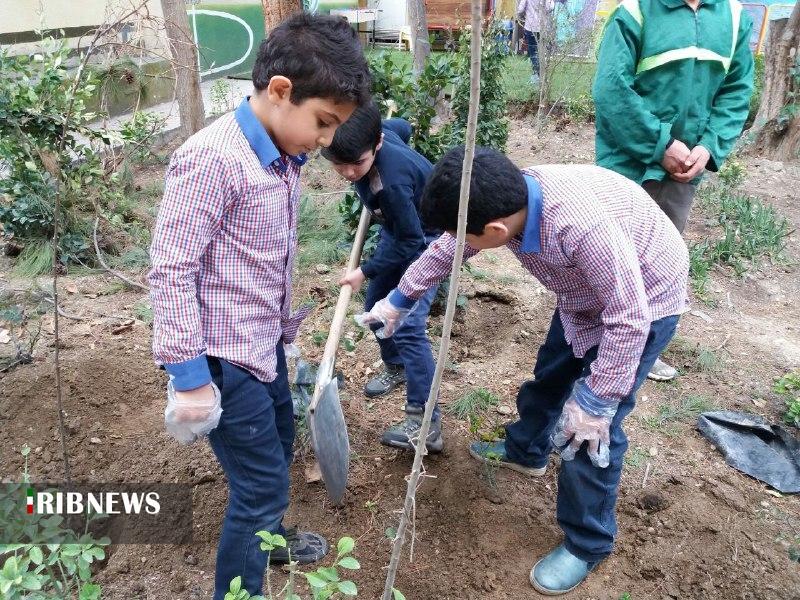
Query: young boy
x,y
619,270
223,250
389,178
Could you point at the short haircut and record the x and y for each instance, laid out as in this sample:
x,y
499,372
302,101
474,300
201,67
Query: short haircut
x,y
360,133
320,54
497,190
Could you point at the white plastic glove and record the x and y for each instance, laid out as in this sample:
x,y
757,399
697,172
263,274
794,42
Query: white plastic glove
x,y
387,313
193,414
577,425
291,351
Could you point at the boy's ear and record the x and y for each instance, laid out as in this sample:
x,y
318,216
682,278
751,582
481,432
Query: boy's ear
x,y
279,89
380,144
495,230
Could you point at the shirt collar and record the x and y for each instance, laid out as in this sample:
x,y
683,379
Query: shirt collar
x,y
259,140
680,3
532,234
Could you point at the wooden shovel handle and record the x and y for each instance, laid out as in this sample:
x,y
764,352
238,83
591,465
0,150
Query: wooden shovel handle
x,y
340,313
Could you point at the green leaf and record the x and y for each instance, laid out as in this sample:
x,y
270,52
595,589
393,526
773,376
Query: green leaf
x,y
348,562
397,594
90,591
236,584
348,588
30,165
346,545
328,573
391,533
36,555
315,581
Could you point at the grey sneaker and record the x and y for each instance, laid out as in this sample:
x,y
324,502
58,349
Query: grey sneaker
x,y
393,376
405,433
661,371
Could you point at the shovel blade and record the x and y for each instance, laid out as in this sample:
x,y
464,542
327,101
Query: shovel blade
x,y
330,441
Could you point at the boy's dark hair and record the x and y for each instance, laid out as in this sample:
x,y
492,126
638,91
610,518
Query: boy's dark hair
x,y
361,132
320,54
497,189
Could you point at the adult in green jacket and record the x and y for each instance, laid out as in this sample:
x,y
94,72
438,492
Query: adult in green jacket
x,y
672,92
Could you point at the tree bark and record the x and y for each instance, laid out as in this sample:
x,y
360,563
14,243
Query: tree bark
x,y
419,34
276,11
777,123
187,72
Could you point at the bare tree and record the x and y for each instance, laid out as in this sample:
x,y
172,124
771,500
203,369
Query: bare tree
x,y
276,11
419,33
187,71
777,124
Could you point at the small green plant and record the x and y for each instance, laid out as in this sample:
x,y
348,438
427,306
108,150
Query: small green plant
x,y
788,387
138,132
472,403
47,560
324,583
668,414
143,311
579,108
490,468
732,173
221,97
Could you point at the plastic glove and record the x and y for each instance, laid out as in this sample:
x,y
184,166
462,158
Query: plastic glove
x,y
291,351
577,425
388,314
192,415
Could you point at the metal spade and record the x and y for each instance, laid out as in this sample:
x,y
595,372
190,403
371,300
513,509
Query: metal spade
x,y
325,417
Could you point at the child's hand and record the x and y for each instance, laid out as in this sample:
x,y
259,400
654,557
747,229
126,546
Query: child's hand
x,y
354,279
386,313
576,426
193,413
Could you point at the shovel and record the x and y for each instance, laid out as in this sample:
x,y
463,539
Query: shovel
x,y
325,417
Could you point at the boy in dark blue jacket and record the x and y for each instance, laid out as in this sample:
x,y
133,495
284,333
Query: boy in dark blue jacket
x,y
389,178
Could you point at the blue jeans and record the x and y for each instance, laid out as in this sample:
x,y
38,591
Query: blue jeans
x,y
532,40
253,443
409,346
587,495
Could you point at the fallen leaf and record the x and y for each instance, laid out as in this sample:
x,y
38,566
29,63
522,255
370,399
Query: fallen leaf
x,y
775,493
71,288
702,315
504,410
123,327
95,440
759,402
4,336
313,473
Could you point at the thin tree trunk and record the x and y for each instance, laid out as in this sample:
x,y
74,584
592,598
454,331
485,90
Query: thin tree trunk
x,y
406,516
276,11
187,72
419,34
777,124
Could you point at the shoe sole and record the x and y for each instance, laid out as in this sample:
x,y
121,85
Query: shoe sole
x,y
546,591
654,377
529,471
433,447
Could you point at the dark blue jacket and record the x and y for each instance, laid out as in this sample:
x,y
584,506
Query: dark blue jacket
x,y
391,191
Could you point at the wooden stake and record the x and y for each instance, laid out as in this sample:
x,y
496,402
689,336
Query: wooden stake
x,y
466,175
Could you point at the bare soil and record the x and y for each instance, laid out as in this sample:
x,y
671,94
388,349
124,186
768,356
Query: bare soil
x,y
690,526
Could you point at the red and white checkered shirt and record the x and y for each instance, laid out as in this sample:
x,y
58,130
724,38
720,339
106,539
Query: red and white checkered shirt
x,y
614,260
223,251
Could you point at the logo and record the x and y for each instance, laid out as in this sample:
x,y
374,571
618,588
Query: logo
x,y
105,503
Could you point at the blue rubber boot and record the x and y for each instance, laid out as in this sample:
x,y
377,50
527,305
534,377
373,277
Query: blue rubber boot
x,y
559,572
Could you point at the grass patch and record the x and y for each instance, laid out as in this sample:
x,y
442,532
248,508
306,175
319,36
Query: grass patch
x,y
636,457
36,259
684,352
473,402
143,311
750,231
322,236
688,409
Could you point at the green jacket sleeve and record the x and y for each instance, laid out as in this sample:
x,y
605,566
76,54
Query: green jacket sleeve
x,y
732,102
621,111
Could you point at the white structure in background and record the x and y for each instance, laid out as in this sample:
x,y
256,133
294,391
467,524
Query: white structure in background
x,y
392,26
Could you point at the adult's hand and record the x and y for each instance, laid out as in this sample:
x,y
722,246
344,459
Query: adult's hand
x,y
675,157
694,165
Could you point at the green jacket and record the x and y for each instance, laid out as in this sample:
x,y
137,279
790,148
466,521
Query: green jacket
x,y
664,72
